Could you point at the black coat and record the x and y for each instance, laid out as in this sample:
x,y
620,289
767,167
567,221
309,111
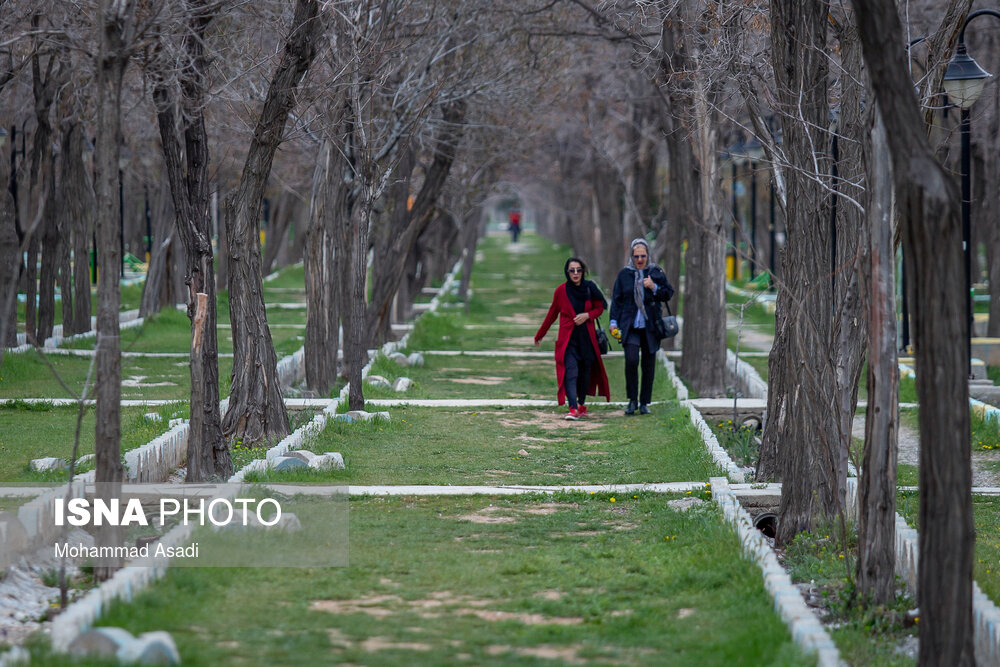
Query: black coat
x,y
623,308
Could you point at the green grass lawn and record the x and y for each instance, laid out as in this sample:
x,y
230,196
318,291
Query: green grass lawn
x,y
131,297
498,377
481,446
29,376
34,431
986,513
574,579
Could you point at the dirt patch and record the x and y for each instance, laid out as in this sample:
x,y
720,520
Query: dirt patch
x,y
685,612
527,619
623,525
566,654
373,644
486,515
528,438
548,422
367,605
578,533
594,453
486,380
548,508
549,595
499,472
228,644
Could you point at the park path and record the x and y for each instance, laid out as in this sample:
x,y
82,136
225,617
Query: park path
x,y
452,561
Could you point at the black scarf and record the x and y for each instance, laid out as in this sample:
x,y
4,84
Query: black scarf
x,y
578,295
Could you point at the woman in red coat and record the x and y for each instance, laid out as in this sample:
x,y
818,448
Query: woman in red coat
x,y
579,369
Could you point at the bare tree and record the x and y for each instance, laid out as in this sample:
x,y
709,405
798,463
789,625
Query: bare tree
x,y
115,27
929,203
256,409
187,171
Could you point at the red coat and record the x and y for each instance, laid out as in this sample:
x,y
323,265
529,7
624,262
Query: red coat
x,y
562,308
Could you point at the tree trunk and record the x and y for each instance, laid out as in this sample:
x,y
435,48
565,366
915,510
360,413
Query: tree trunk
x,y
693,151
256,409
115,23
321,374
208,456
76,222
407,224
8,272
281,218
929,204
813,469
877,485
157,292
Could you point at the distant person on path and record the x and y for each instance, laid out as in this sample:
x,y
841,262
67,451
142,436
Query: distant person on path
x,y
515,224
579,369
636,321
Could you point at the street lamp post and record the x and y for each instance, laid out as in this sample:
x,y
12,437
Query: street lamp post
x,y
963,82
754,151
736,219
123,156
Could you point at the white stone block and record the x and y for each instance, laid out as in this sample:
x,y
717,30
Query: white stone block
x,y
48,463
328,461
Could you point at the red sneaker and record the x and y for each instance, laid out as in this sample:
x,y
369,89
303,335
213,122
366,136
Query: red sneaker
x,y
573,415
583,411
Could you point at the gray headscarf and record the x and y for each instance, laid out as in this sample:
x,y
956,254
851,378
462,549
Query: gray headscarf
x,y
637,288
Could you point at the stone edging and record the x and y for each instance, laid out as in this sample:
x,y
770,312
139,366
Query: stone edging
x,y
806,629
127,319
719,455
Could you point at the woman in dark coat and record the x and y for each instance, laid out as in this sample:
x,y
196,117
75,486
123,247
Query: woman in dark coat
x,y
579,369
635,313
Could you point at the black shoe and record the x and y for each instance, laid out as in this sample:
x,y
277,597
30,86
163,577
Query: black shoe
x,y
643,409
630,410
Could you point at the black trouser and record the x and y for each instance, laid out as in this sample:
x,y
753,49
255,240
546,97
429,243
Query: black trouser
x,y
635,347
576,378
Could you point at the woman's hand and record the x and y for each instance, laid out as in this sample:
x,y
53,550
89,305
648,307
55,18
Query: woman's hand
x,y
581,318
648,283
537,342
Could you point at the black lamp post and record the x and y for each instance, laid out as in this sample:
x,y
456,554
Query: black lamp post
x,y
754,151
963,82
123,157
734,257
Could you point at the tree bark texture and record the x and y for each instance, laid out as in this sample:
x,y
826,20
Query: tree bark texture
x,y
9,267
277,236
813,466
692,143
76,221
877,484
115,25
850,321
158,290
322,310
929,204
256,409
398,241
208,456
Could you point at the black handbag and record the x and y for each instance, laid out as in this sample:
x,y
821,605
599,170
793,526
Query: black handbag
x,y
602,339
670,326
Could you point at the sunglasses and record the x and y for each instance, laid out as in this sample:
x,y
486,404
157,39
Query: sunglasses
x,y
576,270
638,256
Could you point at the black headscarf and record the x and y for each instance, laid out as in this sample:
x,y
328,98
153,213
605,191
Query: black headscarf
x,y
578,294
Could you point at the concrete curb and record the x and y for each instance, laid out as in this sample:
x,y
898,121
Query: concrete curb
x,y
127,319
806,629
719,455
